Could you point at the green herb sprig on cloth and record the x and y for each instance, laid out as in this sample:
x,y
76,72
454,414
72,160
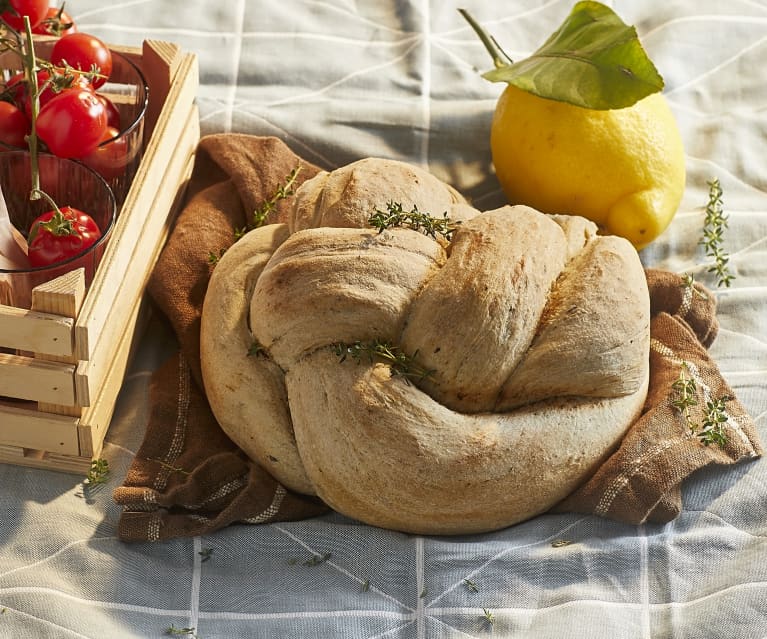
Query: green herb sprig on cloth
x,y
714,225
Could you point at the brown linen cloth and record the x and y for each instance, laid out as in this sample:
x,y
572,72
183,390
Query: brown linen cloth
x,y
188,478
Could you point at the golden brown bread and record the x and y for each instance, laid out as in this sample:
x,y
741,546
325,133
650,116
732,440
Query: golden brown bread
x,y
535,330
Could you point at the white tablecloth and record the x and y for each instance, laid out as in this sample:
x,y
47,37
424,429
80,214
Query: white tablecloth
x,y
343,79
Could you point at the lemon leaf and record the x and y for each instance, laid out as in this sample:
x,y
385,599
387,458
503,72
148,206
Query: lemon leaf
x,y
594,60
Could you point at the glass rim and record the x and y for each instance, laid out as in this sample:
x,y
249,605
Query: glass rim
x,y
105,232
144,104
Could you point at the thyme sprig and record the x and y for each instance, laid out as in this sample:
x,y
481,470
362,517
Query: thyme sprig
x,y
688,282
714,422
489,616
172,630
712,430
98,472
714,225
283,191
396,215
402,364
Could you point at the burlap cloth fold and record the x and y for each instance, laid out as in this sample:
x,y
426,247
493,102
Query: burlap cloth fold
x,y
188,478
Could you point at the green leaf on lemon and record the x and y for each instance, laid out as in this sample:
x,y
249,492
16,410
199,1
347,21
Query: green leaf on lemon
x,y
594,60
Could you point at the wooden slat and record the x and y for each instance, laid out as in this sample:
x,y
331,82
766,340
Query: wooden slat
x,y
28,378
149,183
126,292
13,452
44,460
27,330
63,296
96,418
90,375
23,428
160,62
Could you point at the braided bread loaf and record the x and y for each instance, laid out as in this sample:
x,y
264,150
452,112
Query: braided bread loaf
x,y
531,333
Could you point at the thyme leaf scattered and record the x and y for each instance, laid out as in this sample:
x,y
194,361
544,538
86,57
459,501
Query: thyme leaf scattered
x,y
560,543
98,473
401,364
206,554
472,587
396,215
213,258
714,226
316,560
172,630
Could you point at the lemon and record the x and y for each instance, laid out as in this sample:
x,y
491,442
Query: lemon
x,y
623,169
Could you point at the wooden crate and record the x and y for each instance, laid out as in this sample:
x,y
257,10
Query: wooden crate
x,y
65,360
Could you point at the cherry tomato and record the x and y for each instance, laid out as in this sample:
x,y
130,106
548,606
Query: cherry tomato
x,y
13,125
109,160
85,52
56,236
35,9
56,22
56,82
113,113
72,123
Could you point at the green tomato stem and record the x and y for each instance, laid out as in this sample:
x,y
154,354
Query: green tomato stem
x,y
500,59
38,193
31,75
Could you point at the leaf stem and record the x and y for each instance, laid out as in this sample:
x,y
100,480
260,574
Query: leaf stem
x,y
500,58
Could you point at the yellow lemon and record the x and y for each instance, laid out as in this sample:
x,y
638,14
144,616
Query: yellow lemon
x,y
623,169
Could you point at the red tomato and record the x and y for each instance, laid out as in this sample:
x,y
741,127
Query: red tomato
x,y
13,125
35,9
61,80
72,123
113,113
109,160
84,52
55,23
55,236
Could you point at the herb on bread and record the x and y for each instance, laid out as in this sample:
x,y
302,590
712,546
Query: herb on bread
x,y
396,216
401,364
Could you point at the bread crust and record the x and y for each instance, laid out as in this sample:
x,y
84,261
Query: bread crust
x,y
534,330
